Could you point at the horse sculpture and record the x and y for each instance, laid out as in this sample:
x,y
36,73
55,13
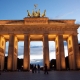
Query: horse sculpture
x,y
36,13
28,14
43,15
33,13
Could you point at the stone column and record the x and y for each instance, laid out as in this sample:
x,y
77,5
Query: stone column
x,y
12,53
46,50
76,48
60,57
15,52
26,60
2,52
73,51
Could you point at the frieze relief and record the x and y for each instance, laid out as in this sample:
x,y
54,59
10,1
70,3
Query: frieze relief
x,y
35,29
36,21
30,21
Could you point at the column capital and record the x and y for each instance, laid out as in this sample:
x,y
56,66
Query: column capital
x,y
59,34
11,34
72,35
45,34
14,35
27,34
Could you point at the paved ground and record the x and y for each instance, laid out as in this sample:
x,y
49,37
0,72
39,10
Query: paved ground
x,y
53,75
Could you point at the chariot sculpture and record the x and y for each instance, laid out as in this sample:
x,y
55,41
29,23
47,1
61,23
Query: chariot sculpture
x,y
36,13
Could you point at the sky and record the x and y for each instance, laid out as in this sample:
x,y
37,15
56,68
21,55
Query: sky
x,y
55,9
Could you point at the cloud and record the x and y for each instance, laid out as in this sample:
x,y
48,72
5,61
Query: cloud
x,y
78,22
37,61
36,52
65,43
20,56
52,50
36,47
79,41
66,14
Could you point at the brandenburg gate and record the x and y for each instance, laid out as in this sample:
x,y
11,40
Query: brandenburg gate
x,y
37,27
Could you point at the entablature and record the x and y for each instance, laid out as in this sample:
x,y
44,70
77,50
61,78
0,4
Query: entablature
x,y
62,21
37,29
38,25
34,21
9,22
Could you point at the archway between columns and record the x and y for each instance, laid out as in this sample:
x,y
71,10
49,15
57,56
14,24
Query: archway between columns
x,y
36,53
6,55
52,55
70,41
20,55
66,54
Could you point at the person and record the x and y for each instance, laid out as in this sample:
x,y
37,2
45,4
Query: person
x,y
32,68
35,68
0,72
45,69
38,68
0,69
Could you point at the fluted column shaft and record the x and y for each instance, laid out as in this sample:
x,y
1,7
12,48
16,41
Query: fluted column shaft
x,y
2,52
26,61
46,50
73,51
12,53
60,57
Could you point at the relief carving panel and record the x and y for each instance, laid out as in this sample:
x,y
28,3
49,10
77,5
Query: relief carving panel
x,y
34,29
30,21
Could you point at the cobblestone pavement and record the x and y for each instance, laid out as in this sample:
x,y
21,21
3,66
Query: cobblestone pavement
x,y
53,75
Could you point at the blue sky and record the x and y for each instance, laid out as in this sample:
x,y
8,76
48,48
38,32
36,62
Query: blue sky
x,y
62,9
55,9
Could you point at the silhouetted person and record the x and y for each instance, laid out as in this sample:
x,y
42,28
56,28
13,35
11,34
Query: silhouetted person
x,y
45,69
38,68
0,69
35,68
0,72
32,68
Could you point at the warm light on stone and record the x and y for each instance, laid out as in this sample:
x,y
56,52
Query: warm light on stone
x,y
39,29
2,52
26,60
60,57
